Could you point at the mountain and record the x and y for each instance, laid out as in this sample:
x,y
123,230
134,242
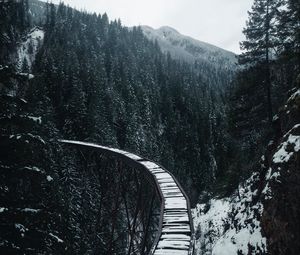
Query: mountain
x,y
216,66
83,77
181,47
66,74
188,49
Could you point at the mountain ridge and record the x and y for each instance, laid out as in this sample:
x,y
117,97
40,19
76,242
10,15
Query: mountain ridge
x,y
166,27
181,47
189,49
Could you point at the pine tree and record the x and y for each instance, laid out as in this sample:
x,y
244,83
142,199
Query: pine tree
x,y
288,29
29,220
261,41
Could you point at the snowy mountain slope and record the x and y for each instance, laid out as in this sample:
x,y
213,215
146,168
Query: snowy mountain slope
x,y
282,162
28,49
216,66
261,217
231,225
188,49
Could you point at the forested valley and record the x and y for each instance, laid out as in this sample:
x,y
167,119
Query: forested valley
x,y
69,74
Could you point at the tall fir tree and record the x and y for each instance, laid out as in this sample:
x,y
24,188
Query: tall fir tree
x,y
261,41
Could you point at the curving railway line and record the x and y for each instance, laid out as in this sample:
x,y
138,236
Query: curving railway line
x,y
176,232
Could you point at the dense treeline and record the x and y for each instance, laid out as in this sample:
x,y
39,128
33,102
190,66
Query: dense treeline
x,y
270,67
98,81
30,203
12,26
109,84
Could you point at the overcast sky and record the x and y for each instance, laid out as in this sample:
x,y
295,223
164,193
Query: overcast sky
x,y
219,22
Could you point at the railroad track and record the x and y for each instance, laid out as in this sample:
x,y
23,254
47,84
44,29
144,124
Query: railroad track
x,y
176,232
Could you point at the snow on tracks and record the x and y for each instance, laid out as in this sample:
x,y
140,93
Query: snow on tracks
x,y
176,233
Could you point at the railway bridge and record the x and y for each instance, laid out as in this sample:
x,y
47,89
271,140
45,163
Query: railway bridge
x,y
174,231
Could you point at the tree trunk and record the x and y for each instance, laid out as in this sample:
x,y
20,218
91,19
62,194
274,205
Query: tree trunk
x,y
268,72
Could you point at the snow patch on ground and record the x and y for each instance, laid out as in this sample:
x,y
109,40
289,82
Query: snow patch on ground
x,y
27,75
34,169
56,238
30,210
3,209
210,220
230,226
38,120
294,96
28,49
49,178
287,149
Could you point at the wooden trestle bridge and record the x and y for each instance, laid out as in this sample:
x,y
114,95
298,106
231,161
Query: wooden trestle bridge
x,y
174,234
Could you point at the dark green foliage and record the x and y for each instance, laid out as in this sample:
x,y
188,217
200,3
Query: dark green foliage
x,y
30,209
28,201
270,66
13,22
109,84
98,81
261,41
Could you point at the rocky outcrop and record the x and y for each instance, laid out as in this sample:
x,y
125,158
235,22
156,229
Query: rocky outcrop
x,y
263,215
281,216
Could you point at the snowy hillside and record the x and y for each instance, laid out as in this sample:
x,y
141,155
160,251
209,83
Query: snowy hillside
x,y
189,49
232,225
28,48
241,224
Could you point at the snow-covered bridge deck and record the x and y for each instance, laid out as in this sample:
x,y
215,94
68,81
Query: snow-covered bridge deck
x,y
176,232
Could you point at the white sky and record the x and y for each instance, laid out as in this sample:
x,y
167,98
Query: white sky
x,y
219,22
